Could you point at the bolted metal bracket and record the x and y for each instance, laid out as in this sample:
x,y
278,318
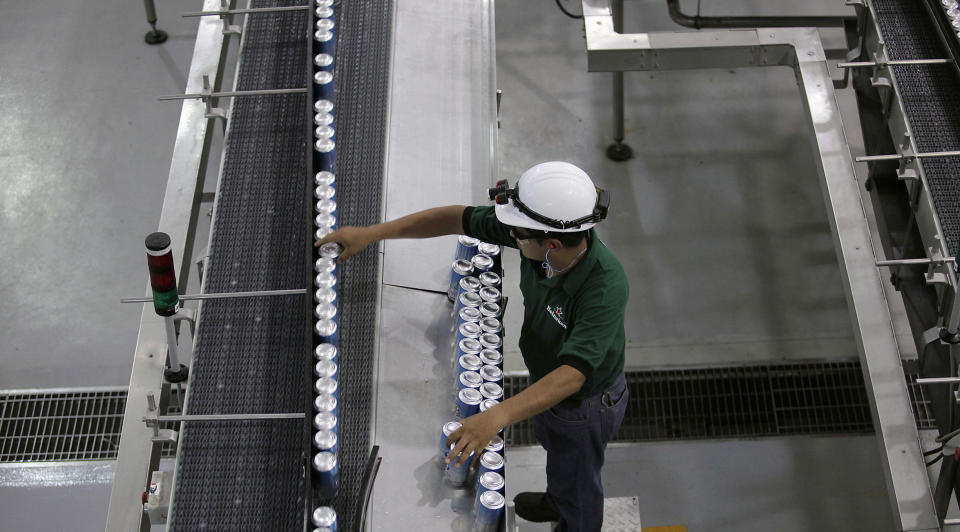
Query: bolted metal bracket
x,y
152,421
206,96
226,17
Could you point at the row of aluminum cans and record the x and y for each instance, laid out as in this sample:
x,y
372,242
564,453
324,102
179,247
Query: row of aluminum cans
x,y
473,258
489,481
324,43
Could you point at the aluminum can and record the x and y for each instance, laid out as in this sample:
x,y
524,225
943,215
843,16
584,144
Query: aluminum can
x,y
466,247
468,402
491,325
325,280
459,270
326,474
325,311
468,346
325,440
489,512
325,132
490,294
323,106
448,428
468,330
327,386
468,315
489,279
323,119
331,250
323,61
468,284
325,41
325,295
324,192
325,403
489,481
325,352
327,152
468,299
325,421
326,330
491,390
328,368
492,251
324,14
491,310
487,404
325,265
491,357
491,341
468,362
490,461
495,445
321,233
325,3
482,263
323,84
469,379
328,221
491,374
456,475
324,178
326,517
325,206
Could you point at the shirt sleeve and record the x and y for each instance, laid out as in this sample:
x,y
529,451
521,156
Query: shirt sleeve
x,y
482,223
597,323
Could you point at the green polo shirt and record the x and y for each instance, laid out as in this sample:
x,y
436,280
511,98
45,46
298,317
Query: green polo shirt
x,y
573,319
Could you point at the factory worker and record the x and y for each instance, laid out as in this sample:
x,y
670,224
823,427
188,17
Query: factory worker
x,y
572,339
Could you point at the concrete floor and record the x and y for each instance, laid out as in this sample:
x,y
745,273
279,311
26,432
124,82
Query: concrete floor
x,y
719,222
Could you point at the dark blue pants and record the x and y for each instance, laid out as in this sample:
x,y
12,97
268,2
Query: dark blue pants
x,y
575,437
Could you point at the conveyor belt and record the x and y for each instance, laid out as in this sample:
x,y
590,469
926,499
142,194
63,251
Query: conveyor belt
x,y
254,355
931,98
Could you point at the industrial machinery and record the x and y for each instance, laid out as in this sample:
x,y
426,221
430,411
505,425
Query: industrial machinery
x,y
243,438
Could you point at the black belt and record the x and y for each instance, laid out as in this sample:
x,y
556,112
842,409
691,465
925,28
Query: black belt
x,y
616,387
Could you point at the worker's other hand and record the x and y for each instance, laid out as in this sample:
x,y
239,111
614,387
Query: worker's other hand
x,y
353,240
473,436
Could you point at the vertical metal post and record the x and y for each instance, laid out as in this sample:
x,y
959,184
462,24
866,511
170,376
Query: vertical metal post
x,y
172,354
618,151
154,36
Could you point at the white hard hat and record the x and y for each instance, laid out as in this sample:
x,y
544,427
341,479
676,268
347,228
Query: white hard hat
x,y
553,196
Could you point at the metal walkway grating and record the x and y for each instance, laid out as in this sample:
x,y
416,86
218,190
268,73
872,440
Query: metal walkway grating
x,y
63,425
741,402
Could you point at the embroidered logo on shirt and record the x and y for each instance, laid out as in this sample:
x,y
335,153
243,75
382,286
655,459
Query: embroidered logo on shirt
x,y
557,315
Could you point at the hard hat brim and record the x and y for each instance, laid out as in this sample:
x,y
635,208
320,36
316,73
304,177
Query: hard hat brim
x,y
510,215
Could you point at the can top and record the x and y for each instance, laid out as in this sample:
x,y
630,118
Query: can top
x,y
327,385
324,295
470,299
323,77
324,421
328,206
471,379
491,460
489,373
325,352
322,60
322,106
491,480
470,314
324,219
490,340
482,262
470,284
470,362
324,279
491,357
462,267
328,368
331,250
469,329
496,444
487,404
323,119
325,264
325,461
492,500
489,308
325,327
326,23
490,294
324,131
489,249
468,241
489,279
491,390
325,439
324,191
469,346
325,402
450,427
490,325
324,516
322,36
324,145
470,396
325,310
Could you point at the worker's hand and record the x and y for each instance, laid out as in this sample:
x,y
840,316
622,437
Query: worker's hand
x,y
353,240
473,436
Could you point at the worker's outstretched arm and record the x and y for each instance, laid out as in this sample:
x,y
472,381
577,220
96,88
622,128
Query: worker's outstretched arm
x,y
438,221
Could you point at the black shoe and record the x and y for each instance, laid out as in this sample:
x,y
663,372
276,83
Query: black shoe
x,y
534,506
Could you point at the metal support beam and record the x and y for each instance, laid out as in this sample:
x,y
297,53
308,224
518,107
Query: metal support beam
x,y
227,295
801,49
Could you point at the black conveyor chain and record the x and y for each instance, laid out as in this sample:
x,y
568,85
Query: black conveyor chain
x,y
254,355
931,99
